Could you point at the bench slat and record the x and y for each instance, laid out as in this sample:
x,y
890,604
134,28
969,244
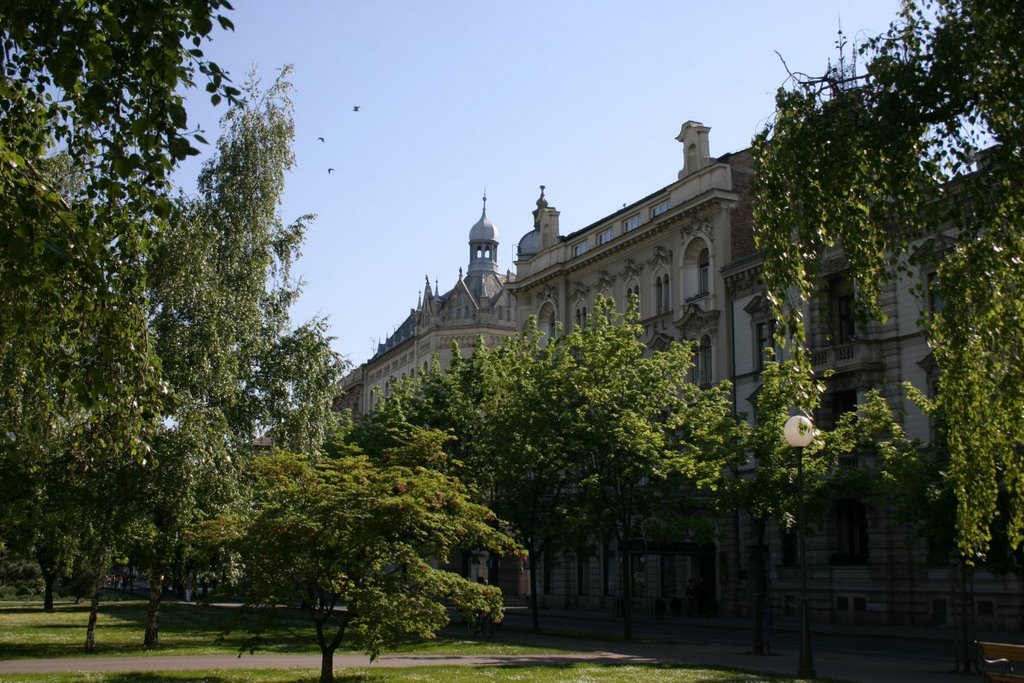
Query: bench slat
x,y
1007,651
1003,655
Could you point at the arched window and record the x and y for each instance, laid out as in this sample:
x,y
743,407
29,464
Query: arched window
x,y
546,319
581,317
632,291
704,271
658,300
666,293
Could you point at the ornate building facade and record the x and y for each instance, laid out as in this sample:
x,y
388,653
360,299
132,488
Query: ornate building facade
x,y
687,252
478,304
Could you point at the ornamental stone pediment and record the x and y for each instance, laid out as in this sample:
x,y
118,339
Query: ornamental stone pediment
x,y
695,321
661,257
579,291
698,225
660,342
605,280
758,307
931,250
631,269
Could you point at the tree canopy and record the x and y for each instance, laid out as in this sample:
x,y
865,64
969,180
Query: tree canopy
x,y
928,141
219,297
355,542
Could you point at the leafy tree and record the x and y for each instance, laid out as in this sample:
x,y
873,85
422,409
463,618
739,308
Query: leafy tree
x,y
636,422
219,294
872,163
519,455
104,82
354,541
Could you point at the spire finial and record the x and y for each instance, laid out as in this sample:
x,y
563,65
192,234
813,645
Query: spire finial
x,y
485,200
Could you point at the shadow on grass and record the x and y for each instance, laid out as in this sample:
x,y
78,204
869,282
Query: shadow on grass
x,y
201,677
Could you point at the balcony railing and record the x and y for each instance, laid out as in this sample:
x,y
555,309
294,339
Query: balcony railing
x,y
847,356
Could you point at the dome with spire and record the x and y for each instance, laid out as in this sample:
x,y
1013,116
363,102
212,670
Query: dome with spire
x,y
483,230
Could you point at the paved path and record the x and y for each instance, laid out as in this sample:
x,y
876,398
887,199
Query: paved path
x,y
840,668
908,662
206,662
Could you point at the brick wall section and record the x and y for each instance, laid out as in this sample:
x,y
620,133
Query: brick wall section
x,y
742,237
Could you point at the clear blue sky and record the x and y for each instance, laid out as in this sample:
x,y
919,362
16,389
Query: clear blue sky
x,y
583,96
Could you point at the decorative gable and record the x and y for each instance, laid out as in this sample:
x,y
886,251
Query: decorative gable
x,y
696,322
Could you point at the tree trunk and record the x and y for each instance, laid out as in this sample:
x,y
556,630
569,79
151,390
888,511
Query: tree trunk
x,y
94,611
627,594
156,590
327,666
49,579
534,602
50,569
327,649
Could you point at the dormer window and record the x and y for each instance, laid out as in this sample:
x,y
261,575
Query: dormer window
x,y
631,223
659,208
580,249
605,235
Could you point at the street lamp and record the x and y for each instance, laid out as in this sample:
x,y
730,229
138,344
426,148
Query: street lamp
x,y
799,432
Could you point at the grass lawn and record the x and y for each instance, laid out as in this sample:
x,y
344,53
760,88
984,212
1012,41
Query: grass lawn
x,y
26,631
575,673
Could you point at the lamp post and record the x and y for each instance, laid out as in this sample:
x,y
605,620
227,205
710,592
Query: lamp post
x,y
799,432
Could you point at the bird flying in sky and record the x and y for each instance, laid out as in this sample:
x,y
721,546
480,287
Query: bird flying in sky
x,y
355,108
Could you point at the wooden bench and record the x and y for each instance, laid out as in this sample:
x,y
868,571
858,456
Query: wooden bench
x,y
1002,662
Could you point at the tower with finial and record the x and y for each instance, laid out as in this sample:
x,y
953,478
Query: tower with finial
x,y
483,244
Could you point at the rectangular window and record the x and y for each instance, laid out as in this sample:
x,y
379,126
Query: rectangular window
x,y
579,249
851,533
766,348
631,223
842,324
659,208
789,548
605,235
840,403
844,318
